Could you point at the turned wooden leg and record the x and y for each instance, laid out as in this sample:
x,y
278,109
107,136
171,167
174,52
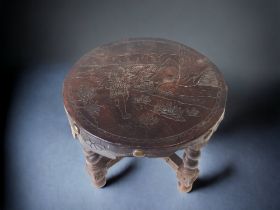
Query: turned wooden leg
x,y
188,171
97,167
186,168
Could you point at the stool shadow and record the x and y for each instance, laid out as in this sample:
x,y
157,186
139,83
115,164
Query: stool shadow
x,y
219,176
125,172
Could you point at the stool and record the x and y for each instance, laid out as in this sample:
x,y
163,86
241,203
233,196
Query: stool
x,y
144,97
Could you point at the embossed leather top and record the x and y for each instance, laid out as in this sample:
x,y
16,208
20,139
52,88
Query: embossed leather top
x,y
148,94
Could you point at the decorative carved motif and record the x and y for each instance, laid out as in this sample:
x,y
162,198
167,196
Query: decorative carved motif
x,y
94,109
169,110
92,143
148,119
143,99
192,112
208,79
85,94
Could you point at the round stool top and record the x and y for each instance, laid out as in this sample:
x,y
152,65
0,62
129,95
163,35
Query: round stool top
x,y
145,93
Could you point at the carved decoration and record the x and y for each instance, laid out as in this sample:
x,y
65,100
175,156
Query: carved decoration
x,y
148,119
169,110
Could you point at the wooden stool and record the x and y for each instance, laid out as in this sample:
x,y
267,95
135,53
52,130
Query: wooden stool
x,y
144,97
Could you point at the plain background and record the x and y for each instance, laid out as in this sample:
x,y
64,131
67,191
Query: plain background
x,y
43,168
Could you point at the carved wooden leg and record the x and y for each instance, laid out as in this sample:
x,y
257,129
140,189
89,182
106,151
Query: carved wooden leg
x,y
97,167
186,168
188,171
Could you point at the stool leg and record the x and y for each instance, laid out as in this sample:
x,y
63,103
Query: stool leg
x,y
97,167
188,171
187,168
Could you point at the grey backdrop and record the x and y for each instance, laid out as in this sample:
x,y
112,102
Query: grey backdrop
x,y
44,167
